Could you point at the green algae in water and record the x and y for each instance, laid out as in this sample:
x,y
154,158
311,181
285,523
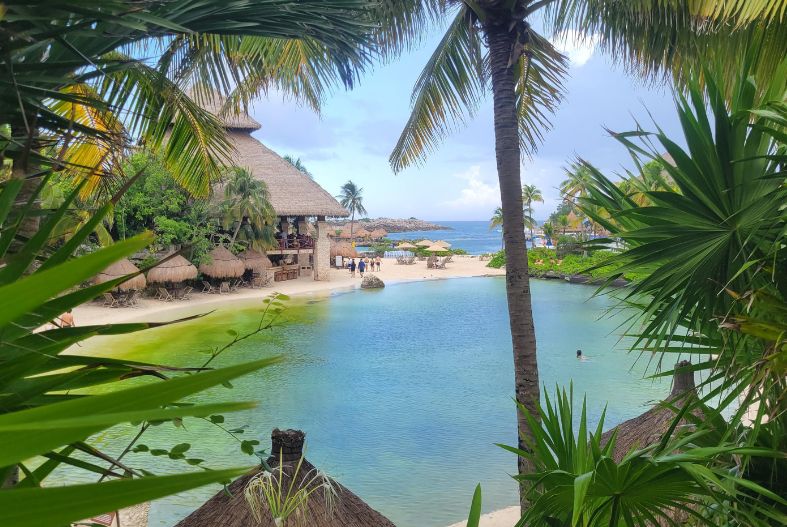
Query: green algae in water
x,y
402,392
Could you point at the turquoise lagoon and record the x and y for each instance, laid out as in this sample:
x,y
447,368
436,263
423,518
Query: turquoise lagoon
x,y
402,392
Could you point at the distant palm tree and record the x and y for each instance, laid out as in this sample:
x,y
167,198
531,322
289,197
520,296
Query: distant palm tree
x,y
497,221
247,207
563,221
549,232
531,193
351,198
576,184
298,164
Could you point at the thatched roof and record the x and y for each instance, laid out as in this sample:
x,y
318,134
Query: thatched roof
x,y
232,510
122,268
406,245
292,193
230,119
255,261
176,269
223,264
343,249
424,243
436,248
361,233
443,243
379,233
648,428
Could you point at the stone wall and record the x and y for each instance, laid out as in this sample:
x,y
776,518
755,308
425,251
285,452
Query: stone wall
x,y
322,252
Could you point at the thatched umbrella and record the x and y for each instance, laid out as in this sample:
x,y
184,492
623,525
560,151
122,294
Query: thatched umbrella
x,y
434,248
361,233
405,246
223,264
345,234
326,508
255,261
424,243
378,233
443,243
343,249
648,428
122,268
174,270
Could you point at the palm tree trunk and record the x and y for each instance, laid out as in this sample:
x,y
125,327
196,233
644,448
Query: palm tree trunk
x,y
235,234
523,338
352,224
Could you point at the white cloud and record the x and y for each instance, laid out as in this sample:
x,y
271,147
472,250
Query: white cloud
x,y
576,46
477,192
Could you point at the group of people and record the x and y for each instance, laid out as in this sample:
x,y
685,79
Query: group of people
x,y
364,264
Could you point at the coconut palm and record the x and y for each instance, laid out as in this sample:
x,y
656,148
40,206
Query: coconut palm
x,y
497,221
351,198
576,183
531,193
298,164
247,208
549,232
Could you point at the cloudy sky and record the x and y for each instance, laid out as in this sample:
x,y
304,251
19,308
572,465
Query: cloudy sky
x,y
353,137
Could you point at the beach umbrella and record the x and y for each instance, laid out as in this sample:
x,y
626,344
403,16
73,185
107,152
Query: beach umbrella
x,y
122,268
443,243
424,243
378,233
255,261
330,504
343,249
405,246
434,248
176,269
361,233
223,264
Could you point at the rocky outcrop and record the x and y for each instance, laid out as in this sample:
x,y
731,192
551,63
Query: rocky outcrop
x,y
393,225
371,282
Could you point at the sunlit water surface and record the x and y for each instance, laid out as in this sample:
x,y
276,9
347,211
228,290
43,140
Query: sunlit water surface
x,y
403,392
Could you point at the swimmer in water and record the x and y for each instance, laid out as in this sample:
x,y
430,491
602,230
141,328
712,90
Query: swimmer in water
x,y
580,356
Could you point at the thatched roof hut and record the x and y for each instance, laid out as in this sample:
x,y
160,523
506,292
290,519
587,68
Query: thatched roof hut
x,y
292,193
174,270
424,243
232,510
361,233
343,249
378,233
223,264
122,268
648,428
255,261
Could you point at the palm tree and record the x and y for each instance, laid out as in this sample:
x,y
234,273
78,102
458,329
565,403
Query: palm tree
x,y
564,222
576,184
531,193
351,198
549,231
247,205
298,164
497,221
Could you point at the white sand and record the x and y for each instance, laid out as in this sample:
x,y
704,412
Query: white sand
x,y
503,518
391,273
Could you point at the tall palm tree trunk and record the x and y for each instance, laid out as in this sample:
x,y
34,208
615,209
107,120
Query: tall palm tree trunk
x,y
352,225
501,42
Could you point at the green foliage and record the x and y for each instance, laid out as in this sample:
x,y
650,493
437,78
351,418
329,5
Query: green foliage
x,y
596,264
47,409
157,202
498,260
247,211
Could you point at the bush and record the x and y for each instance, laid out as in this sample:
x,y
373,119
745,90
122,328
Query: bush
x,y
498,260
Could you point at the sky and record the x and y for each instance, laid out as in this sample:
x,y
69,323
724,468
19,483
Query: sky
x,y
353,136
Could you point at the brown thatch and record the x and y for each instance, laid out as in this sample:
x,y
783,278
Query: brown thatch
x,y
255,261
176,269
648,428
292,193
232,510
343,249
378,233
216,105
424,243
361,233
345,234
122,268
223,264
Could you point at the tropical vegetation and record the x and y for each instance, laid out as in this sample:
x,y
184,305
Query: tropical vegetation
x,y
530,194
351,198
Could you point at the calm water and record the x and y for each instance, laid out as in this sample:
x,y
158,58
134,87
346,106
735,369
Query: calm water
x,y
402,392
475,237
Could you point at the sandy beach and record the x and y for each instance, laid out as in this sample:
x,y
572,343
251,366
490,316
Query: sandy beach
x,y
503,518
391,273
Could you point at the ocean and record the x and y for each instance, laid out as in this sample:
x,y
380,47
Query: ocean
x,y
475,237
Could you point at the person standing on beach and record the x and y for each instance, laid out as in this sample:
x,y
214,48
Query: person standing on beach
x,y
361,267
378,264
352,267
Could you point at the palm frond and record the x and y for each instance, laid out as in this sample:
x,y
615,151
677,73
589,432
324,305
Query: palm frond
x,y
540,74
448,90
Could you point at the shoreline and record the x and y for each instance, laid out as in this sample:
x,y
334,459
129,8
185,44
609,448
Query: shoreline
x,y
500,518
149,310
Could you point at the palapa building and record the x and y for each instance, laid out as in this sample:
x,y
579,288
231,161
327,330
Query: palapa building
x,y
297,198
